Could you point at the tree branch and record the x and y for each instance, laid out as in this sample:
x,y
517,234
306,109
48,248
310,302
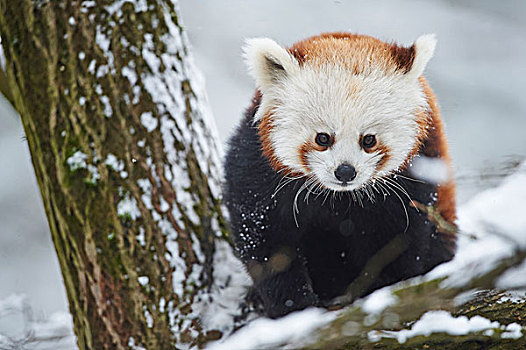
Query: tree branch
x,y
415,300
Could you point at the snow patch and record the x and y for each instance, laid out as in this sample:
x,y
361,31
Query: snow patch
x,y
443,322
116,164
88,3
146,188
141,238
512,331
148,316
116,7
102,71
513,278
77,161
108,111
2,56
432,170
102,41
148,121
128,206
104,44
178,276
12,302
513,297
55,331
231,282
143,280
263,333
379,301
492,226
130,74
59,323
94,172
91,66
136,94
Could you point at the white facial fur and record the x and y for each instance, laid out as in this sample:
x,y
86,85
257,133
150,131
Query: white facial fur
x,y
313,99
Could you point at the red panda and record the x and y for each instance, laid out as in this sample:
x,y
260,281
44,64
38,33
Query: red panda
x,y
318,175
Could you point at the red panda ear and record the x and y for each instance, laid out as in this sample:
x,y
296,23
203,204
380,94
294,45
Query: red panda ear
x,y
424,47
268,62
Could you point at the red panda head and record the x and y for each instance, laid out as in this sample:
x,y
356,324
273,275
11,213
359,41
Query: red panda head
x,y
340,109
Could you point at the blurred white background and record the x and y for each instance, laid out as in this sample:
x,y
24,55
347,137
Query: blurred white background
x,y
478,73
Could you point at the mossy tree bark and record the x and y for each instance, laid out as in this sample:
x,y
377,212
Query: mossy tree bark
x,y
356,329
126,161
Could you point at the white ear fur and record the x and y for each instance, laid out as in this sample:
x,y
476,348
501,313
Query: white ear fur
x,y
424,49
268,61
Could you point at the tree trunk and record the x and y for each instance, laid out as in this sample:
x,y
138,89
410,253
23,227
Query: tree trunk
x,y
126,160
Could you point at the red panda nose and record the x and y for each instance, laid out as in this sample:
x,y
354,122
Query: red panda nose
x,y
345,172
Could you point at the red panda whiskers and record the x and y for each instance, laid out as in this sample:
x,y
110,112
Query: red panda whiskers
x,y
358,192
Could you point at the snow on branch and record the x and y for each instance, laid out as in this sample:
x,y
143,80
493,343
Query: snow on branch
x,y
2,56
491,255
21,329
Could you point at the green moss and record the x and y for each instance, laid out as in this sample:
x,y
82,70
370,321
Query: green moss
x,y
419,288
89,183
125,218
489,304
71,148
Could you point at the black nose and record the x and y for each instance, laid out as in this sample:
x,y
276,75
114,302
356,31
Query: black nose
x,y
345,172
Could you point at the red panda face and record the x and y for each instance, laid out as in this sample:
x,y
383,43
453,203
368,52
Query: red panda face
x,y
340,111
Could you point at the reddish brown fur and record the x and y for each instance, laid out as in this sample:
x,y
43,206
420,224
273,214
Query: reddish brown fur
x,y
436,146
386,155
424,122
357,52
404,56
383,150
265,127
304,151
264,130
308,147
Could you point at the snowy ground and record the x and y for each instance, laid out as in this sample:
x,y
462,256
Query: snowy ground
x,y
478,73
22,329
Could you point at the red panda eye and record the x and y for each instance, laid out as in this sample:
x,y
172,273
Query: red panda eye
x,y
323,139
368,141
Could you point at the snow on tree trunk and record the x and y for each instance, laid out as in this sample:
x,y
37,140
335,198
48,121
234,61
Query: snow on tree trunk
x,y
126,158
